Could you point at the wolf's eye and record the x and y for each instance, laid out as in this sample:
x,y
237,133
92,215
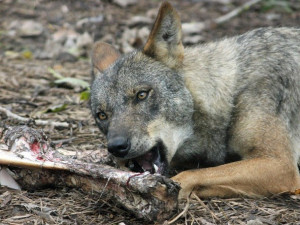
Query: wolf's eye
x,y
142,95
102,116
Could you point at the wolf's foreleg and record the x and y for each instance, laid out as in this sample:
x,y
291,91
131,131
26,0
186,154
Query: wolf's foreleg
x,y
252,177
268,164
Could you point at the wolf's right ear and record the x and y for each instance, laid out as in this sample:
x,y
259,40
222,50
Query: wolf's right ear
x,y
164,42
103,56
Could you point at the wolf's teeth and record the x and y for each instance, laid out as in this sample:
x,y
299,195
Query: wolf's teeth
x,y
155,168
130,165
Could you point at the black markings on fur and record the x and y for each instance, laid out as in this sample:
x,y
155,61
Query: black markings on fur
x,y
232,157
280,96
166,36
154,109
241,39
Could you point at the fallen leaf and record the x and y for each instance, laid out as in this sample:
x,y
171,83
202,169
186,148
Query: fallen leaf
x,y
5,198
12,54
297,192
54,73
7,180
73,82
56,108
85,95
27,54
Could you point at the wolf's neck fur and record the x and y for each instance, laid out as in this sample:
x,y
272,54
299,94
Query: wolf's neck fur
x,y
209,73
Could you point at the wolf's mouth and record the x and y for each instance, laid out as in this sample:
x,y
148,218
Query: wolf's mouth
x,y
152,161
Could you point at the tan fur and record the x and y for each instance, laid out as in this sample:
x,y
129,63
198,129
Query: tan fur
x,y
236,97
172,135
268,166
261,139
104,55
198,78
241,178
171,55
263,131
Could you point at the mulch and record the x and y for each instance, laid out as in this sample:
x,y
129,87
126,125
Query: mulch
x,y
27,89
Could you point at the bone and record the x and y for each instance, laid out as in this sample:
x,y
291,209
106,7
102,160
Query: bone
x,y
149,196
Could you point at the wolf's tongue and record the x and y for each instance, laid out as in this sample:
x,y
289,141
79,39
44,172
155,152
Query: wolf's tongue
x,y
145,162
146,165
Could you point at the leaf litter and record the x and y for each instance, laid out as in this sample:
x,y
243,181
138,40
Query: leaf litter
x,y
26,87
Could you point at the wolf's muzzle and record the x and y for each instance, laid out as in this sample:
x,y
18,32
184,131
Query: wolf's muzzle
x,y
119,146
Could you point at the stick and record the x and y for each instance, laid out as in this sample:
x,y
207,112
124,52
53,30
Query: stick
x,y
206,207
37,122
147,196
182,213
198,27
235,12
35,165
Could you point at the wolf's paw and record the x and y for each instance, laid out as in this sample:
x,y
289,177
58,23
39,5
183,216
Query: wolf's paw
x,y
185,180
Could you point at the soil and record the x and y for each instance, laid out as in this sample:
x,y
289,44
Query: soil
x,y
28,89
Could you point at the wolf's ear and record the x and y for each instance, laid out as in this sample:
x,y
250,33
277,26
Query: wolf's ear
x,y
164,42
103,55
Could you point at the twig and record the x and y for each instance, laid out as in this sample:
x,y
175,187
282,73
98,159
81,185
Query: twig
x,y
198,27
151,197
104,187
63,141
236,12
205,206
182,213
37,122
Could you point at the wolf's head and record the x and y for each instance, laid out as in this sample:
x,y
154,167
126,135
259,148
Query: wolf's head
x,y
139,100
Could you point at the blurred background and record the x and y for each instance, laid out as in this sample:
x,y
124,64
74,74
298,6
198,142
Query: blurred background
x,y
45,74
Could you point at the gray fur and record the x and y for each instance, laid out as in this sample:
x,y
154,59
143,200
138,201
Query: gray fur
x,y
114,93
259,70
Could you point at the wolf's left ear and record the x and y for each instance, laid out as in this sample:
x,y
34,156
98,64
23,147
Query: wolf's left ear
x,y
164,42
103,55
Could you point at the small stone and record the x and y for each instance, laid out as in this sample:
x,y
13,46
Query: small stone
x,y
124,3
51,50
151,13
30,28
70,42
143,33
55,17
273,16
73,181
89,20
128,38
139,20
129,35
255,222
14,25
191,40
192,28
64,9
62,34
84,40
225,2
66,57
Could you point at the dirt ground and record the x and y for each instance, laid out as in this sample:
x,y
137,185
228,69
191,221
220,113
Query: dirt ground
x,y
40,39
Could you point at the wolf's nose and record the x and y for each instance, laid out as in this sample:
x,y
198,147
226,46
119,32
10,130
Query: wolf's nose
x,y
118,146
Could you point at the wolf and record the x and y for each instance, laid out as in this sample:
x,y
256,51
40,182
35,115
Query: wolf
x,y
225,114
